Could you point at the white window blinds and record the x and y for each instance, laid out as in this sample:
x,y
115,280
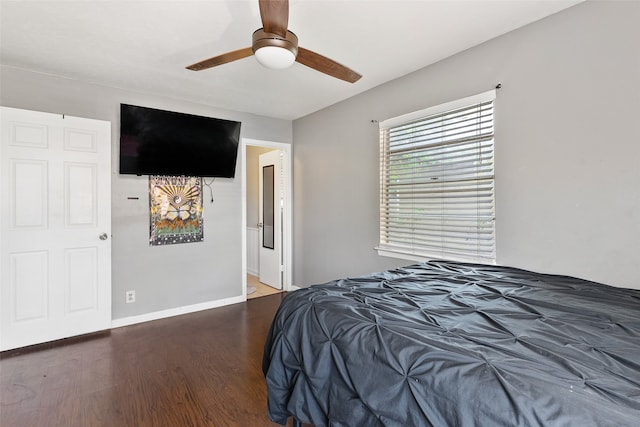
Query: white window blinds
x,y
437,182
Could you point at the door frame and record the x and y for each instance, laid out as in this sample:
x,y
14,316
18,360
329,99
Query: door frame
x,y
287,229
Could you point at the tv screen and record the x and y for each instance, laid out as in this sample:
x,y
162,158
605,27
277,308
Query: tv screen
x,y
157,142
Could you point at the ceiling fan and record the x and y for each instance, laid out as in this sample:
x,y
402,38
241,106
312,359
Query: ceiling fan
x,y
276,47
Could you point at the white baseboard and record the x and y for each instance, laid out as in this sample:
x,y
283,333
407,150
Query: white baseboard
x,y
295,288
147,317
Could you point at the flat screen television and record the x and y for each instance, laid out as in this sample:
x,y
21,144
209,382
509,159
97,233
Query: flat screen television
x,y
158,142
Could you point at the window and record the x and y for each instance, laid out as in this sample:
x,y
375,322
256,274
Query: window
x,y
437,182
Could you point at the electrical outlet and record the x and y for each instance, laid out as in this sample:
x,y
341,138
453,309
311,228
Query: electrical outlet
x,y
130,296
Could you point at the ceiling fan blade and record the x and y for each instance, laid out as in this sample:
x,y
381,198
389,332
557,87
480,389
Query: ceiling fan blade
x,y
326,65
221,59
275,16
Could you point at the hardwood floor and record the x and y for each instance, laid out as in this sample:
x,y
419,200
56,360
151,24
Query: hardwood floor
x,y
199,369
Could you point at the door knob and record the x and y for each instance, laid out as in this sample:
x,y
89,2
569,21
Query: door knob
x,y
259,225
103,236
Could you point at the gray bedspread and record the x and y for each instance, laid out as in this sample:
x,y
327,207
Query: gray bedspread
x,y
451,344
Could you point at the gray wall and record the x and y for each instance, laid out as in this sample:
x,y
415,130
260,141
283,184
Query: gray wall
x,y
163,277
567,151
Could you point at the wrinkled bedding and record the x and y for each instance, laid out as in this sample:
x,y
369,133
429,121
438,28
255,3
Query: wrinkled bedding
x,y
452,344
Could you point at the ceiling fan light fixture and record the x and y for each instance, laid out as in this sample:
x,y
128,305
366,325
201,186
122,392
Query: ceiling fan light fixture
x,y
275,57
273,51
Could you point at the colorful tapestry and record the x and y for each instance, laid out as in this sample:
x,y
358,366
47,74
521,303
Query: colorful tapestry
x,y
175,207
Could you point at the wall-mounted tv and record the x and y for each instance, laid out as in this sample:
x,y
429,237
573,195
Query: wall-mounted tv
x,y
158,142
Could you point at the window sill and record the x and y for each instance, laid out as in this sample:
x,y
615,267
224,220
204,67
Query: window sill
x,y
398,253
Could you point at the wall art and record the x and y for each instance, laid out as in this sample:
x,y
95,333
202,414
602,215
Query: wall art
x,y
175,208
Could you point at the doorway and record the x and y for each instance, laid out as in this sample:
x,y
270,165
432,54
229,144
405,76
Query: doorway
x,y
267,236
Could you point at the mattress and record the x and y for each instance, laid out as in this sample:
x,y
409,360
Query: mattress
x,y
453,344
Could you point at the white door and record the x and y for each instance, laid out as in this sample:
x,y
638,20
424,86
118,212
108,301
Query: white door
x,y
55,227
270,200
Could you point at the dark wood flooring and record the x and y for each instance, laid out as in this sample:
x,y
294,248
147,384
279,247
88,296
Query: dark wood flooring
x,y
199,369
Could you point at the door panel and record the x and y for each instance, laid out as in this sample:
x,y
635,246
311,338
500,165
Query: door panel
x,y
28,193
80,192
270,218
55,272
81,279
29,286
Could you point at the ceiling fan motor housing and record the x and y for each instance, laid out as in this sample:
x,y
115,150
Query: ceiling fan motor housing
x,y
263,39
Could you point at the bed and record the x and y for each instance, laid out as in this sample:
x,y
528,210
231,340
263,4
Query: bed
x,y
453,344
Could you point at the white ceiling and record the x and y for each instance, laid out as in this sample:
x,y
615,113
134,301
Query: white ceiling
x,y
145,45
